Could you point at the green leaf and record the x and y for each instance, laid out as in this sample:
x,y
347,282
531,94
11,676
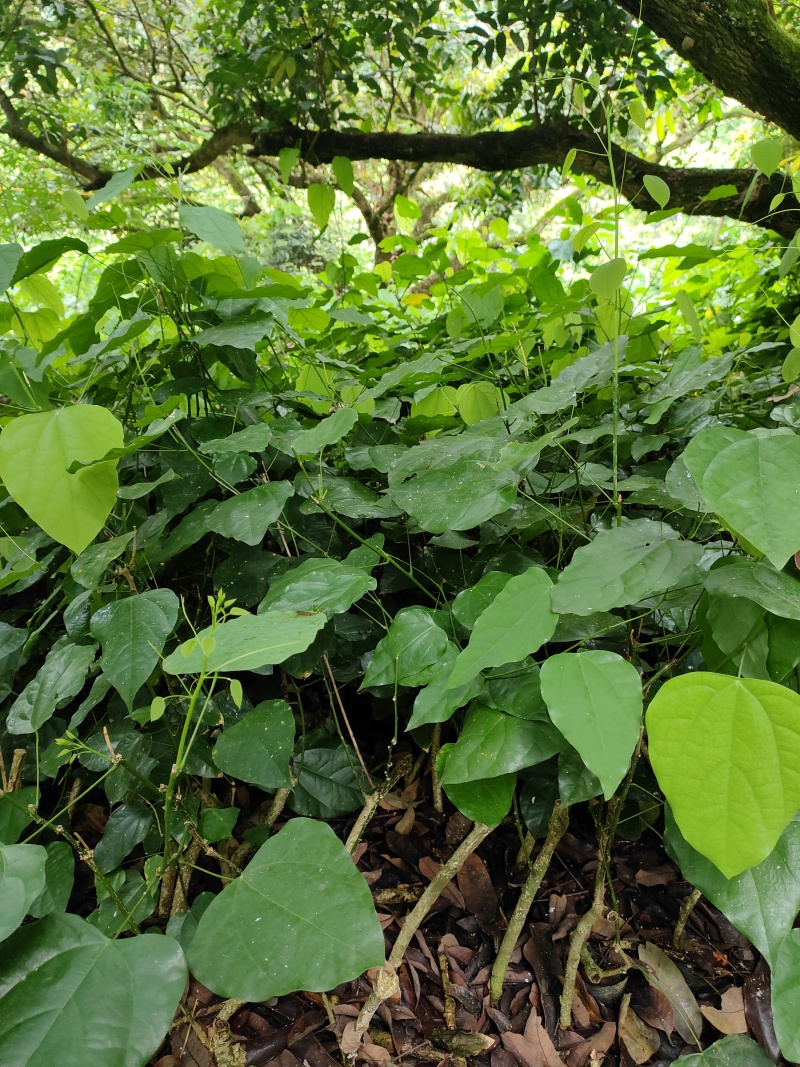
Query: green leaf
x,y
312,320
132,633
471,603
786,996
746,485
247,642
60,678
576,783
491,744
287,157
327,784
258,747
216,824
622,566
343,171
14,816
736,1050
726,753
10,255
406,208
321,201
657,188
88,569
35,451
59,875
517,623
251,439
128,825
435,702
595,700
686,307
43,255
75,204
638,113
217,227
457,497
775,591
244,332
761,902
325,433
487,801
409,653
790,370
318,585
477,401
605,280
115,185
69,995
767,155
22,879
248,516
300,917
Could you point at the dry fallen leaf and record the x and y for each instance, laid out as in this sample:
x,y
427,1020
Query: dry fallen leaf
x,y
533,1048
730,1018
640,1040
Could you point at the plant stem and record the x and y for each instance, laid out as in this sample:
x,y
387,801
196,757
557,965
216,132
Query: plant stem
x,y
555,831
687,907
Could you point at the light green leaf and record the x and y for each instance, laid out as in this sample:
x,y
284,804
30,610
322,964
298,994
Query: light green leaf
x,y
595,700
689,311
300,917
754,487
75,204
10,255
410,653
327,432
251,439
477,401
216,824
60,678
321,201
22,879
622,566
217,227
638,112
406,208
761,902
35,451
257,748
247,642
133,633
605,280
726,753
458,497
736,1050
69,995
343,171
493,744
248,516
767,155
287,157
657,188
487,800
471,603
786,997
790,370
318,585
517,622
309,319
115,185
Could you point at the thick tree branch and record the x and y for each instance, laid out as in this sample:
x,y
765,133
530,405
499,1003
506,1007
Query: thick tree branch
x,y
737,45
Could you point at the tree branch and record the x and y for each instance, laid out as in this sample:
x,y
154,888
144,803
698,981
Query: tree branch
x,y
737,45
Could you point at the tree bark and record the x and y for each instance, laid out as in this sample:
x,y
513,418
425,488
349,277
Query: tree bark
x,y
738,45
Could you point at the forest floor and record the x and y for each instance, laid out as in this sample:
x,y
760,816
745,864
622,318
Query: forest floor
x,y
678,996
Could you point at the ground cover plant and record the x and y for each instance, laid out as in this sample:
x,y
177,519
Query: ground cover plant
x,y
497,530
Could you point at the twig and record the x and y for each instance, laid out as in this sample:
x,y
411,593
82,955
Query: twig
x,y
555,831
401,768
687,907
436,744
15,774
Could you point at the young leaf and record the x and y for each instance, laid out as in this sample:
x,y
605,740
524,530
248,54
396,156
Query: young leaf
x,y
595,700
517,622
132,633
321,201
123,992
767,155
257,748
35,451
726,753
300,917
217,227
605,280
657,188
343,171
247,642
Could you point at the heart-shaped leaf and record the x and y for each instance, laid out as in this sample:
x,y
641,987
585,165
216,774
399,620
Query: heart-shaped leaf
x,y
35,452
245,643
69,995
493,744
726,753
257,747
300,917
595,700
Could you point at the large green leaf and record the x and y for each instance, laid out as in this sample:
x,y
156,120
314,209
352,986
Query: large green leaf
x,y
132,633
595,700
35,451
257,748
318,585
763,901
253,438
410,652
217,227
726,753
754,487
457,497
622,566
300,917
487,800
491,744
246,642
60,678
517,622
59,873
736,1050
22,879
773,590
327,783
786,996
69,995
248,516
